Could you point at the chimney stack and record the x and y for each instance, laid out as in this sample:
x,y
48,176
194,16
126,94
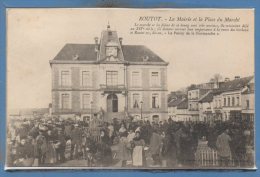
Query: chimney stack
x,y
227,79
237,77
96,44
121,40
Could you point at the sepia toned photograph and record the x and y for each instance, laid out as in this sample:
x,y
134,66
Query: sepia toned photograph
x,y
91,88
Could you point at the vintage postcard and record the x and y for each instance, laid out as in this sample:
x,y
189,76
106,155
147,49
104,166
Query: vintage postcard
x,y
130,88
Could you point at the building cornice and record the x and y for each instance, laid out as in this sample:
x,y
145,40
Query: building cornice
x,y
106,62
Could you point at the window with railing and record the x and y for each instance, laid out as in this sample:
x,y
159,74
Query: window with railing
x,y
112,78
136,100
155,100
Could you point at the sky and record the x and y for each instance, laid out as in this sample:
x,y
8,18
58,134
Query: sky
x,y
35,36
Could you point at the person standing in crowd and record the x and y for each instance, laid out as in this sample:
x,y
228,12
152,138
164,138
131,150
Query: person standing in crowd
x,y
138,144
124,153
179,137
237,145
104,149
51,152
41,147
212,136
188,145
122,128
111,132
75,142
223,148
131,135
24,154
155,146
60,146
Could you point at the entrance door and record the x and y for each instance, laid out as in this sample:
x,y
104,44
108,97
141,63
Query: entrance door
x,y
112,103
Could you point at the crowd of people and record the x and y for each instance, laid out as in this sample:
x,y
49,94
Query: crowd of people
x,y
129,143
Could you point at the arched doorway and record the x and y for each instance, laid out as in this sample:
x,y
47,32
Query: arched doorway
x,y
112,103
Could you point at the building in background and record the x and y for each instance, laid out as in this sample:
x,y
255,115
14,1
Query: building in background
x,y
227,100
110,80
248,101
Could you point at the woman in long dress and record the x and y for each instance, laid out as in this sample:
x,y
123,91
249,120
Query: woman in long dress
x,y
124,153
138,144
51,152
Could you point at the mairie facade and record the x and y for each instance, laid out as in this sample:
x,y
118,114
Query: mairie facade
x,y
110,80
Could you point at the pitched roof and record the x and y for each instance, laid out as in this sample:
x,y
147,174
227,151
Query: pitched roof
x,y
87,52
207,98
175,101
235,84
183,104
138,53
84,51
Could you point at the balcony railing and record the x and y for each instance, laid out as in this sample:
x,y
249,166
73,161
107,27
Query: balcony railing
x,y
112,87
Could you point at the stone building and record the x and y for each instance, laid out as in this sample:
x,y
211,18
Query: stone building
x,y
110,79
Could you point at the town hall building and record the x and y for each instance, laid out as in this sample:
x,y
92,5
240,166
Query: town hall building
x,y
110,79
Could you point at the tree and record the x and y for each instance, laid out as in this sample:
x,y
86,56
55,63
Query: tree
x,y
216,78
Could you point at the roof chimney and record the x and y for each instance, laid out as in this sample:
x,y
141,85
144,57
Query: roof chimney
x,y
121,40
237,77
96,44
227,79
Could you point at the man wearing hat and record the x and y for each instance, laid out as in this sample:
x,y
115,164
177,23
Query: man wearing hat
x,y
41,146
61,144
75,141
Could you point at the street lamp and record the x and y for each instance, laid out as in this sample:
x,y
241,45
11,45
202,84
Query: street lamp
x,y
141,106
91,110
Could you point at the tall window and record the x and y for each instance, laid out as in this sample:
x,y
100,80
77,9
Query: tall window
x,y
136,79
155,100
228,101
85,101
155,79
112,78
238,101
85,78
65,78
65,101
233,101
225,102
136,100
